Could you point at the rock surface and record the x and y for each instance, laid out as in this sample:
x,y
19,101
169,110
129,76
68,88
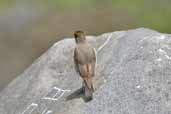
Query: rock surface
x,y
133,77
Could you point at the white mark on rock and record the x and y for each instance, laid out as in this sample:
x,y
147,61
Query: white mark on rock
x,y
161,37
105,43
164,53
55,93
159,59
138,86
144,39
30,108
47,112
168,57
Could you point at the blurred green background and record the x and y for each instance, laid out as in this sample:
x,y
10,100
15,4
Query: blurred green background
x,y
29,27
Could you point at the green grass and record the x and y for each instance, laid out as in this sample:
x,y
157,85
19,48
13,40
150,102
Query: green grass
x,y
6,4
154,14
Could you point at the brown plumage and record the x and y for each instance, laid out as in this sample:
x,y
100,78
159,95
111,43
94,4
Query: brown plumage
x,y
85,62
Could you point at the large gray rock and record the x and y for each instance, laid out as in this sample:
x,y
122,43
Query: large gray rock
x,y
133,77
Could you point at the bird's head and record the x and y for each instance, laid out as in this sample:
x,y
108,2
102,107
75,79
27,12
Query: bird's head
x,y
79,36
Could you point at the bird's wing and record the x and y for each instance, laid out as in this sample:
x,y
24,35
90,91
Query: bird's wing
x,y
93,64
75,60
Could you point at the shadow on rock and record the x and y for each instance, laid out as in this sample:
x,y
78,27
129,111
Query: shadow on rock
x,y
79,93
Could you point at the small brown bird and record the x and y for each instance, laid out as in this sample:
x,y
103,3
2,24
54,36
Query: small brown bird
x,y
85,62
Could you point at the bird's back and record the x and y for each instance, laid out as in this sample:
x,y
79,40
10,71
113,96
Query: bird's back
x,y
85,54
86,59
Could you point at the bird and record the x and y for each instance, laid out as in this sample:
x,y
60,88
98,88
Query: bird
x,y
85,63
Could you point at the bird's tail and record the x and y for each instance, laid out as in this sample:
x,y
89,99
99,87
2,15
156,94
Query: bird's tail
x,y
88,89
